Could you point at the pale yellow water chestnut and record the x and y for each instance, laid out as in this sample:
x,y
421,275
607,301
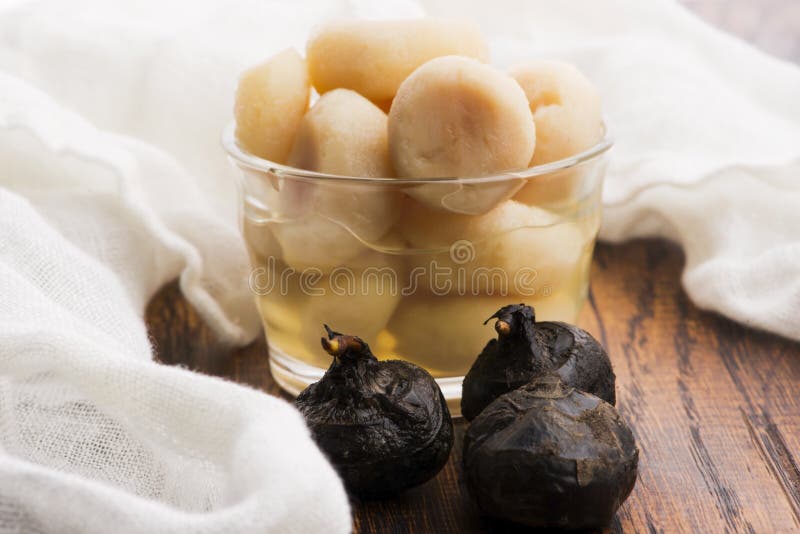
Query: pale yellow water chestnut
x,y
271,99
325,223
514,249
566,109
373,57
457,117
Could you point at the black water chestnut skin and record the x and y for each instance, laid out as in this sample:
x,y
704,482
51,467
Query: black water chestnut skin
x,y
548,455
525,349
384,425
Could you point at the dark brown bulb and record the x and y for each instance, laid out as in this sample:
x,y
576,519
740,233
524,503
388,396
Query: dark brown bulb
x,y
548,455
526,349
384,425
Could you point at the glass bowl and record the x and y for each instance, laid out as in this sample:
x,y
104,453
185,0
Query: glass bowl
x,y
413,266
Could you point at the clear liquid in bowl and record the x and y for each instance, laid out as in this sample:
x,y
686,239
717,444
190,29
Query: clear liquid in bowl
x,y
425,304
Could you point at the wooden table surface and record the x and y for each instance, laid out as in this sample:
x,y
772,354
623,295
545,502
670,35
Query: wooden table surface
x,y
715,406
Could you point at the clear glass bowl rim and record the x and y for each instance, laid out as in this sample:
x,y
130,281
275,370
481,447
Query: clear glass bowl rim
x,y
243,158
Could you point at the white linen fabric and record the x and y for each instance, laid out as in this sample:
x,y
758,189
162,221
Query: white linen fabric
x,y
112,182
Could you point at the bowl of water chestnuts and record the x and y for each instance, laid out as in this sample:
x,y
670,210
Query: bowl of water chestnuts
x,y
397,184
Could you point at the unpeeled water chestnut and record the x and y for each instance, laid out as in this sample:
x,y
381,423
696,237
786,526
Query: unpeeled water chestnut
x,y
525,349
548,455
384,425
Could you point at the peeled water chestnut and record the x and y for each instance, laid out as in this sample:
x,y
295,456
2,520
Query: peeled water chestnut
x,y
525,349
384,425
548,455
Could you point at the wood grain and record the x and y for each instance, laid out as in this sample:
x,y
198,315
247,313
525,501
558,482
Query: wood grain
x,y
713,405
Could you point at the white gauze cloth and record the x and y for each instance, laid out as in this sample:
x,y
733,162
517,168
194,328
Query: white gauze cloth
x,y
112,183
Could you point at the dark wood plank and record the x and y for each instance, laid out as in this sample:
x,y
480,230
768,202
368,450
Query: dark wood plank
x,y
693,386
711,402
